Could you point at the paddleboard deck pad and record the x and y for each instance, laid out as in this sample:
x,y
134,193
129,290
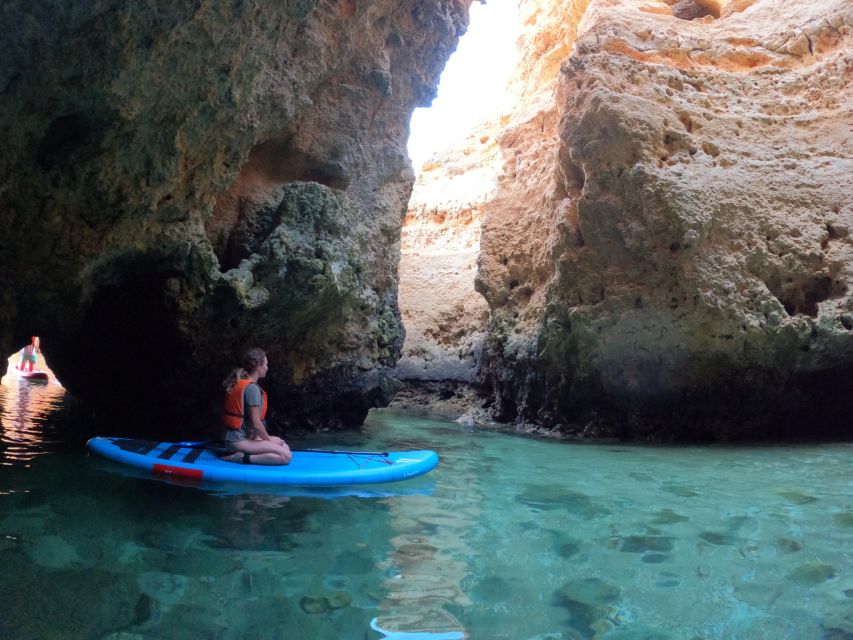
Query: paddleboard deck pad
x,y
308,468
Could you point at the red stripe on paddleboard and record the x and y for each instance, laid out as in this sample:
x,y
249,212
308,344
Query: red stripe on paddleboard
x,y
169,470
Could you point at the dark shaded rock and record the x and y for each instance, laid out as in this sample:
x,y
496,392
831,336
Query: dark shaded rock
x,y
681,490
492,588
339,600
144,611
178,185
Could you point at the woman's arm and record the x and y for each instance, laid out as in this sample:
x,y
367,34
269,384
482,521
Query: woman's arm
x,y
258,428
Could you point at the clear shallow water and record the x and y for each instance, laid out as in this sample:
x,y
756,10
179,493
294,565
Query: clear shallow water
x,y
509,538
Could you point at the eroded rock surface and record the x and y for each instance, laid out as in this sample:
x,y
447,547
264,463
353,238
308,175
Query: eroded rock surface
x,y
181,181
668,251
445,318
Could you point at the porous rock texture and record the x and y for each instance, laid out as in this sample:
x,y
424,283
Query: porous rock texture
x,y
667,254
181,181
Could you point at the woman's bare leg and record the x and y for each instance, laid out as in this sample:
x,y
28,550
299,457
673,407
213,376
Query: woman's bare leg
x,y
264,451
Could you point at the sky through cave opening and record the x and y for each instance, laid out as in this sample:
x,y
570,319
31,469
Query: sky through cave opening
x,y
472,87
454,151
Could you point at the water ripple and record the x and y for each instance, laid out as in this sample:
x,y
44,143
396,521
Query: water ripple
x,y
25,407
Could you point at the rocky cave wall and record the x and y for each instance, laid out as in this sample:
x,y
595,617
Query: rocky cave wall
x,y
183,180
667,253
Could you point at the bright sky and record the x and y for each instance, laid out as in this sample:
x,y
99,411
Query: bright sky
x,y
472,84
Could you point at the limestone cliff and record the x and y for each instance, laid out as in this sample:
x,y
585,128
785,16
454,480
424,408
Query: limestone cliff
x,y
445,318
439,246
182,180
667,253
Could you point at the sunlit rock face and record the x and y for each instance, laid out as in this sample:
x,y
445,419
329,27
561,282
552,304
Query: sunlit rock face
x,y
445,318
181,181
668,252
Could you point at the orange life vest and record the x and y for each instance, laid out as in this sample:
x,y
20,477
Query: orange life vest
x,y
234,410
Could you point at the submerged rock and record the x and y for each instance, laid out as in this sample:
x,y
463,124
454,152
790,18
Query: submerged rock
x,y
798,498
54,552
589,602
812,574
719,539
642,544
165,588
786,545
757,594
590,591
668,516
328,602
548,498
655,558
844,519
314,605
339,600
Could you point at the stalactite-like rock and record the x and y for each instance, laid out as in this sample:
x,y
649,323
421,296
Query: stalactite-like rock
x,y
181,181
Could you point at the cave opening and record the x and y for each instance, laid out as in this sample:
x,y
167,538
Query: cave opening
x,y
454,145
473,84
29,365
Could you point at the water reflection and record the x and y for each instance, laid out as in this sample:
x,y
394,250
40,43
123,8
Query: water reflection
x,y
520,539
25,406
426,565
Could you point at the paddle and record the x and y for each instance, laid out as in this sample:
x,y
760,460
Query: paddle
x,y
347,453
214,444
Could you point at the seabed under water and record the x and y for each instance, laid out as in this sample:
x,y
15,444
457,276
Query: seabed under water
x,y
509,538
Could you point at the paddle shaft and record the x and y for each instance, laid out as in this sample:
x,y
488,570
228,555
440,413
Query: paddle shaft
x,y
214,444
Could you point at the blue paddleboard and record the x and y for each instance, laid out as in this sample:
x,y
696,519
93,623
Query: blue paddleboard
x,y
308,468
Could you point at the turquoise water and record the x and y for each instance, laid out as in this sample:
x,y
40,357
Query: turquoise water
x,y
509,538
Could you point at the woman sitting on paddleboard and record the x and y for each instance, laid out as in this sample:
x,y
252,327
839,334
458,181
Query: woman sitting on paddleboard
x,y
28,354
245,408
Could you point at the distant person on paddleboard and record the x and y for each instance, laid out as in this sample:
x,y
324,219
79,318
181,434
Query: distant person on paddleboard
x,y
28,353
245,409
